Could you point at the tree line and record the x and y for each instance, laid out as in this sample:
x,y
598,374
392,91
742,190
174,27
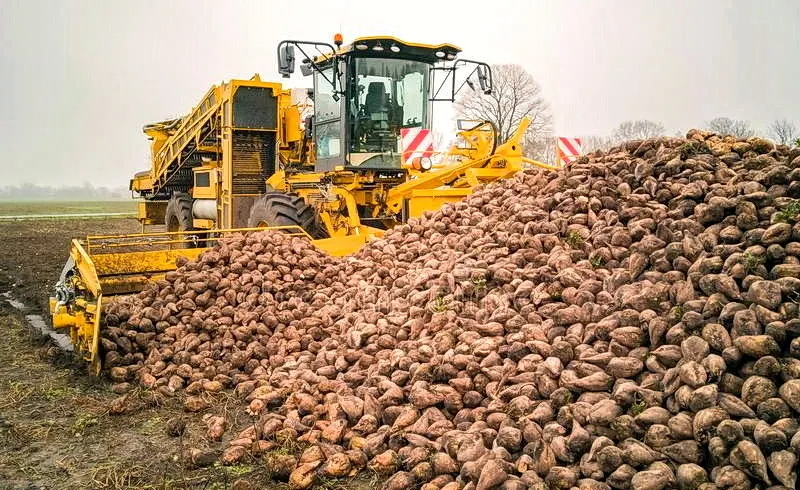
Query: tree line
x,y
782,131
85,192
516,94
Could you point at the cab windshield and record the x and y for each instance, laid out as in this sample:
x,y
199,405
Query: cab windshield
x,y
391,95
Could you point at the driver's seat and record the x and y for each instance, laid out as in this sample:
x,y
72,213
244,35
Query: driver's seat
x,y
378,137
376,100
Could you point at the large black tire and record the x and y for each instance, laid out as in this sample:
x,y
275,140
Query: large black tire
x,y
179,217
275,208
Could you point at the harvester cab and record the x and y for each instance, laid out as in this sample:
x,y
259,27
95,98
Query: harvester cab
x,y
373,98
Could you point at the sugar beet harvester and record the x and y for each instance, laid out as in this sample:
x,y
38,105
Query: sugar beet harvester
x,y
241,160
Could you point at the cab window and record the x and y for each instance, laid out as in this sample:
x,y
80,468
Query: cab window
x,y
390,96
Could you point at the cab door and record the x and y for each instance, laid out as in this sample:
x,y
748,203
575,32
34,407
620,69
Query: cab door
x,y
329,136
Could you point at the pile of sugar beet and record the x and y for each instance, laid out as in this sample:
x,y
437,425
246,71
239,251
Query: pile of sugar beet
x,y
632,321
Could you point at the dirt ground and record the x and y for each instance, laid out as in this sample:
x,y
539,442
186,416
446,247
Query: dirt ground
x,y
55,429
34,252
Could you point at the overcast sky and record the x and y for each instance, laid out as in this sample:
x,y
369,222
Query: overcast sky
x,y
80,77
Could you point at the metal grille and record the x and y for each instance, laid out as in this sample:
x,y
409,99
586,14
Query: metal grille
x,y
255,107
179,181
253,161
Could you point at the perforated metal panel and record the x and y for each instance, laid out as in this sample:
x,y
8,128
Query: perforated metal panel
x,y
255,108
253,161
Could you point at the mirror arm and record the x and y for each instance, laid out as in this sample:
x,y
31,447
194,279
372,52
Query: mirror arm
x,y
310,60
450,71
477,64
466,81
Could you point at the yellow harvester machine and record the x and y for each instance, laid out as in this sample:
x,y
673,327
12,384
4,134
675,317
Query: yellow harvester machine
x,y
246,158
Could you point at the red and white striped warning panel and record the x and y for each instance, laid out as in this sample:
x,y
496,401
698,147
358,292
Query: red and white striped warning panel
x,y
415,143
568,150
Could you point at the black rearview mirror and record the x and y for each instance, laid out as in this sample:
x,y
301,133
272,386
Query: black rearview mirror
x,y
483,79
286,60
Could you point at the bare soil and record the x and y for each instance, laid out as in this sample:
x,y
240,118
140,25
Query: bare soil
x,y
34,252
55,428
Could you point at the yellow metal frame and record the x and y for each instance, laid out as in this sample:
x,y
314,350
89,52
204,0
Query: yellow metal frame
x,y
212,190
141,182
169,139
482,166
109,265
423,200
84,323
151,212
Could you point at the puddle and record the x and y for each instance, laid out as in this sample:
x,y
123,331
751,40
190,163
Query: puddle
x,y
10,300
62,340
38,323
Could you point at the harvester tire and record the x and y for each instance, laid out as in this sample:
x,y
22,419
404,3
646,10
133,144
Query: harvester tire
x,y
179,217
276,208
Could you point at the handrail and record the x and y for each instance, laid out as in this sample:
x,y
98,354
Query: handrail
x,y
170,233
175,237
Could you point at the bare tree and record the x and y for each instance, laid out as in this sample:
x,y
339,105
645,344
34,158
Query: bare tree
x,y
637,130
594,143
515,95
784,131
540,147
733,127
